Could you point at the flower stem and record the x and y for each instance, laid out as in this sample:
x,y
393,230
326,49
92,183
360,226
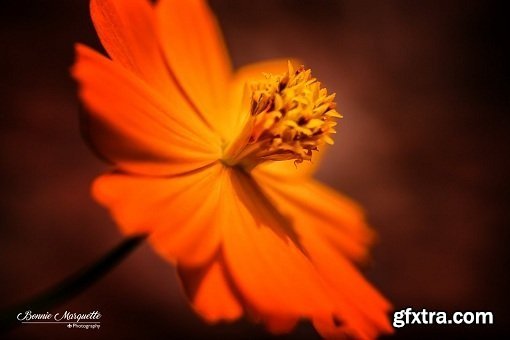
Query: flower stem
x,y
71,286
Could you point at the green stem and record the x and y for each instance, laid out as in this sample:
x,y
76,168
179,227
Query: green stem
x,y
71,286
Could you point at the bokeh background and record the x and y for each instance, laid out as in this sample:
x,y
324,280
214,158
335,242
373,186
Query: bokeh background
x,y
423,146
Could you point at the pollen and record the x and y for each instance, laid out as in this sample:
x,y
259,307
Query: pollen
x,y
291,116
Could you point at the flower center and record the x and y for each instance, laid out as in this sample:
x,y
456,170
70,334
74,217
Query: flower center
x,y
291,115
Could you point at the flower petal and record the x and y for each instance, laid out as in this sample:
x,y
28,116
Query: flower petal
x,y
333,217
195,51
289,170
211,292
331,230
133,127
360,308
272,274
281,324
128,32
180,225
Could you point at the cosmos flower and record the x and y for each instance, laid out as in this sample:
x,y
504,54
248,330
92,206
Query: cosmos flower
x,y
215,166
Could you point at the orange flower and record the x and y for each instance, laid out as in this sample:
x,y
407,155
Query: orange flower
x,y
208,163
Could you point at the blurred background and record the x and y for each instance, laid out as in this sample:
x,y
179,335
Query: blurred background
x,y
424,147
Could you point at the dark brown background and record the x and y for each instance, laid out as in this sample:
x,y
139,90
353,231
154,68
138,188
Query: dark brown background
x,y
423,146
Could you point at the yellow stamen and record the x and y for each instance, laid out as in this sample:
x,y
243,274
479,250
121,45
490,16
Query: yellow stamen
x,y
290,116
